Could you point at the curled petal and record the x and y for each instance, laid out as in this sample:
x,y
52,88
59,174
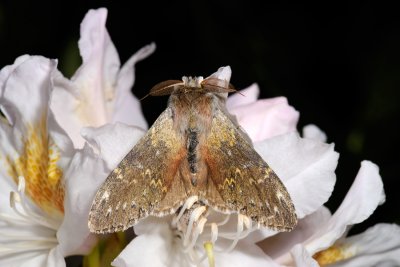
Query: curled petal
x,y
223,73
365,194
126,103
313,132
112,141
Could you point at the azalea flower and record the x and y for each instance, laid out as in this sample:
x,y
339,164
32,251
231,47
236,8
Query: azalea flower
x,y
100,91
38,166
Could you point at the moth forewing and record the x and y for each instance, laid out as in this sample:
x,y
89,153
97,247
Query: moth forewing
x,y
244,181
141,181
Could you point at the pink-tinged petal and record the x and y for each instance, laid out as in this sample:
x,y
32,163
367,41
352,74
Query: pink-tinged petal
x,y
378,246
265,118
302,258
126,103
364,196
278,245
84,176
311,131
113,141
246,96
223,73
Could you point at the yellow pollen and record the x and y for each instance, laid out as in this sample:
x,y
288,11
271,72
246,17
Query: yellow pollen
x,y
208,246
37,163
332,254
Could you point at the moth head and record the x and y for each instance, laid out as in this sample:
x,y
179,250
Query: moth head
x,y
195,82
189,84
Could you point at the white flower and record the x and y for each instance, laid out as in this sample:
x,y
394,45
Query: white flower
x,y
41,220
100,91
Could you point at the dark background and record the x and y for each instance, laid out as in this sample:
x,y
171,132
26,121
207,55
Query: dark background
x,y
338,65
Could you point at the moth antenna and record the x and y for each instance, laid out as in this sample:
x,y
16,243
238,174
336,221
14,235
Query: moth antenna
x,y
144,97
165,88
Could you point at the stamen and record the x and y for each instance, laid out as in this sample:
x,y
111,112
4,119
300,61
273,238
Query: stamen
x,y
188,204
214,232
27,219
193,218
27,213
199,235
208,246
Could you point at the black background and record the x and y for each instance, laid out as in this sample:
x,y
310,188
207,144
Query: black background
x,y
338,65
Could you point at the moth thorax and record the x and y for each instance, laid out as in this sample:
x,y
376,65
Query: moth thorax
x,y
194,82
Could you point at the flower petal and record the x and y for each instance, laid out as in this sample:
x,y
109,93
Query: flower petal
x,y
84,176
302,258
278,245
141,250
313,132
30,80
98,92
244,254
378,246
305,166
247,96
223,73
125,101
364,196
113,141
266,118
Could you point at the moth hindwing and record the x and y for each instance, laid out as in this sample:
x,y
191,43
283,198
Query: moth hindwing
x,y
195,148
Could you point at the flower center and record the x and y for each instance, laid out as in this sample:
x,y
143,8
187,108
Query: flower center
x,y
199,228
333,254
37,163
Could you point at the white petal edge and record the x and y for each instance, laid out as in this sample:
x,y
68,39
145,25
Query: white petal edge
x,y
365,194
278,245
305,166
83,177
126,105
223,73
302,258
311,131
377,246
112,141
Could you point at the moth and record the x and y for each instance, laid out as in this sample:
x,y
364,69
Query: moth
x,y
194,148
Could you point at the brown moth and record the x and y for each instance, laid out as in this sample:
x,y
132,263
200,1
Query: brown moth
x,y
194,148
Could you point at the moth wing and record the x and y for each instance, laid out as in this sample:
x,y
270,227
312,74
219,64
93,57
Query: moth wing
x,y
142,181
241,181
